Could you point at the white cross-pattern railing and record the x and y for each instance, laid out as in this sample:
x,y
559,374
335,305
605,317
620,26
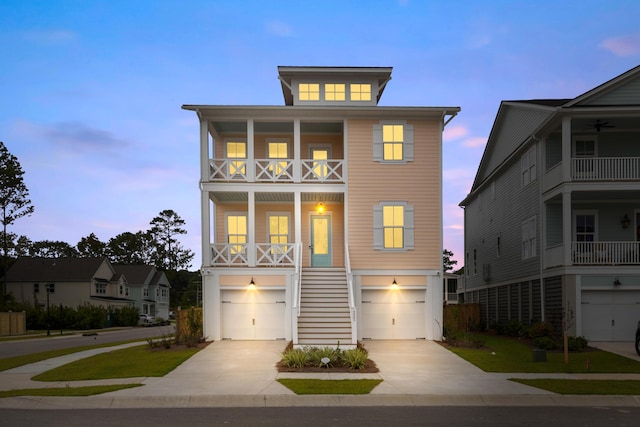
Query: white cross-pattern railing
x,y
605,168
274,170
322,171
267,254
275,254
606,253
227,169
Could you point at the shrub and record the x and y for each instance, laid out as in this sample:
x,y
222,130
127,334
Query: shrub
x,y
512,328
577,343
316,354
355,358
295,358
540,329
545,343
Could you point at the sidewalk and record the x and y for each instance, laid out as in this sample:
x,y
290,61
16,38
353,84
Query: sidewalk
x,y
243,373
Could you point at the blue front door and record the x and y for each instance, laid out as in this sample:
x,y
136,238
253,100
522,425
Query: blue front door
x,y
320,241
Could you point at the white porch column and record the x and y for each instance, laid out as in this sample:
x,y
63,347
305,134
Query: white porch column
x,y
297,156
297,214
205,214
251,229
566,149
251,156
204,151
567,230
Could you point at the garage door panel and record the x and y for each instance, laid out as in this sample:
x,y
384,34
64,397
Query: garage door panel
x,y
610,315
253,315
394,314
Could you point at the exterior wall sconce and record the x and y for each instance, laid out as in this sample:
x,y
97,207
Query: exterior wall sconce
x,y
320,208
616,282
394,284
625,221
252,284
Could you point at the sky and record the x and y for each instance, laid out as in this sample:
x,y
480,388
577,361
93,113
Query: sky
x,y
91,91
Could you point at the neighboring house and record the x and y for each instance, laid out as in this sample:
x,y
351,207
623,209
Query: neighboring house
x,y
313,211
148,287
552,222
70,281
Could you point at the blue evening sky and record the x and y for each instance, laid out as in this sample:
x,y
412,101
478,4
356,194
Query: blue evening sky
x,y
91,90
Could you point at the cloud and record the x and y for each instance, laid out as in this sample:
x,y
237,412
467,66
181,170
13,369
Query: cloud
x,y
278,28
79,136
622,46
474,142
50,36
454,132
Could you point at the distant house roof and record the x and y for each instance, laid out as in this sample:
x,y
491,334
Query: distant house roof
x,y
27,269
135,274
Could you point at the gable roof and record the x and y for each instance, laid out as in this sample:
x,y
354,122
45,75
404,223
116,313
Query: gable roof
x,y
519,121
27,269
136,274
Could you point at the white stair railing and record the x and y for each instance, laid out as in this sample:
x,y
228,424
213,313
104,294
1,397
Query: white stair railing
x,y
352,304
297,292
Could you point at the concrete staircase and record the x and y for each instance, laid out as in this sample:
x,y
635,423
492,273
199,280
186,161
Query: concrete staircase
x,y
325,317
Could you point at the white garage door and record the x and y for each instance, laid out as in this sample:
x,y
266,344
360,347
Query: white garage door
x,y
393,314
610,315
253,314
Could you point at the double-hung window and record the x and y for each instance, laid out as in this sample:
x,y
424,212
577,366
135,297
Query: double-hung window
x,y
101,288
278,149
237,155
393,226
393,142
278,232
529,239
237,233
528,166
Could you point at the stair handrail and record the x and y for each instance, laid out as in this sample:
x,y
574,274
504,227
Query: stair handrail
x,y
352,304
297,288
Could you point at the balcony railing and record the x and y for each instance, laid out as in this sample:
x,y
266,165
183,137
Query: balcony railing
x,y
606,253
605,168
266,254
276,170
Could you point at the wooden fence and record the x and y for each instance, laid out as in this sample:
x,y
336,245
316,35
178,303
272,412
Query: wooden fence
x,y
461,317
13,323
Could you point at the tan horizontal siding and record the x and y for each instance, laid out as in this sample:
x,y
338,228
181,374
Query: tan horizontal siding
x,y
417,183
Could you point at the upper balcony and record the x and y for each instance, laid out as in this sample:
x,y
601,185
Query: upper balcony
x,y
277,170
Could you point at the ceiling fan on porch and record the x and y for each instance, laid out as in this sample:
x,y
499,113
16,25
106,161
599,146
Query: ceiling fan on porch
x,y
599,124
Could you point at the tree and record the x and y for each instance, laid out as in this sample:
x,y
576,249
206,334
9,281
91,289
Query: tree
x,y
169,253
91,246
130,248
447,262
14,198
52,249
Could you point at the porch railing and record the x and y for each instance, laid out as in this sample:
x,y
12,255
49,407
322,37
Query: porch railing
x,y
605,168
266,254
605,253
276,170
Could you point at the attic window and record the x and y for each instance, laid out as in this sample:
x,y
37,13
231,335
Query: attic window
x,y
334,92
309,92
360,92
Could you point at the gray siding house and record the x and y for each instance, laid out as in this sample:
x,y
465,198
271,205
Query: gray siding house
x,y
552,222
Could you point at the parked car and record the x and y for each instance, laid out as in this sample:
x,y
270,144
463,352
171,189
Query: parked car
x,y
638,339
146,320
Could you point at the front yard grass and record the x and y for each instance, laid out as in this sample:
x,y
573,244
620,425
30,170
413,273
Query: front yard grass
x,y
584,387
504,354
15,361
67,391
140,361
314,386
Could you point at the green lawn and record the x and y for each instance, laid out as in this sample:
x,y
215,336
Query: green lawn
x,y
503,354
67,391
314,386
600,387
140,361
14,362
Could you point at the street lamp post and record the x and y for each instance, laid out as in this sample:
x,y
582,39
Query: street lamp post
x,y
48,287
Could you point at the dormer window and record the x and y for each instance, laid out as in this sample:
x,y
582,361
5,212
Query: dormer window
x,y
334,92
360,92
309,92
